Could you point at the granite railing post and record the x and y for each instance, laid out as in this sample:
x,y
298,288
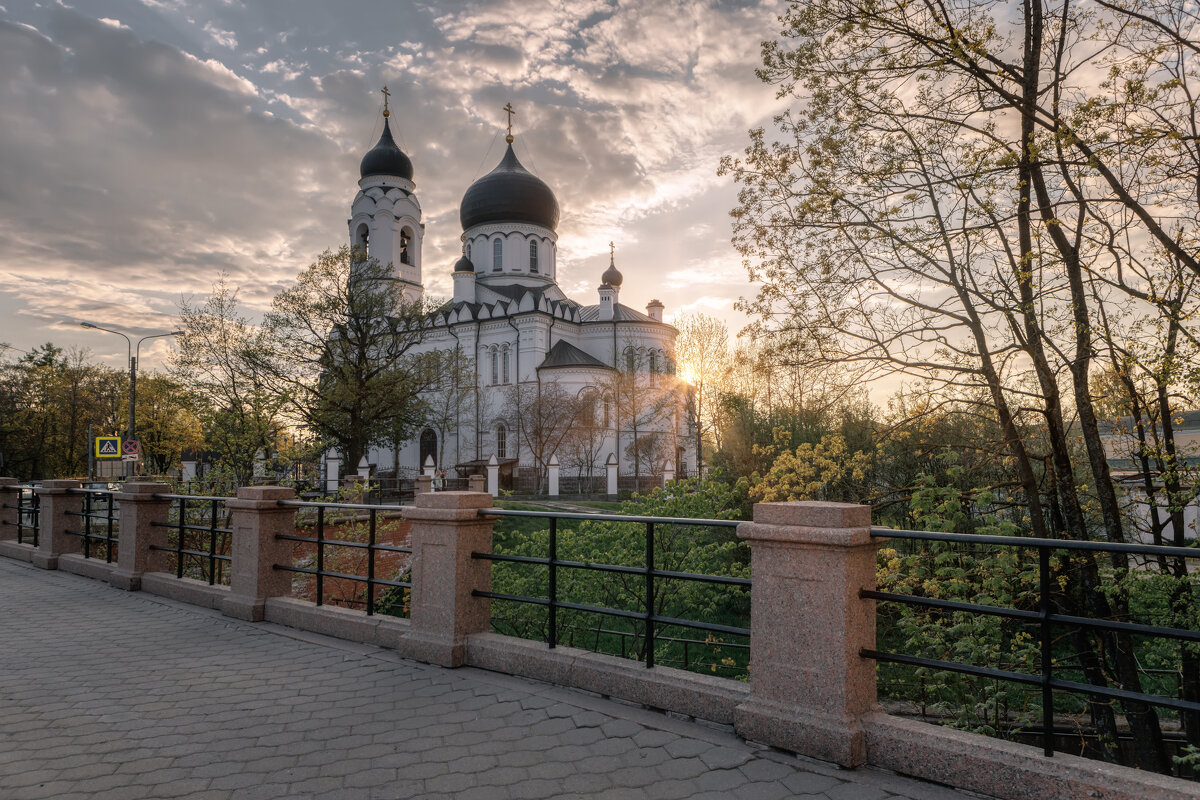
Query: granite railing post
x,y
143,516
477,483
809,687
56,499
10,498
422,484
446,529
257,520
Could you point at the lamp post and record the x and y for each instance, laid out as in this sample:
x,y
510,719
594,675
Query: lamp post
x,y
133,351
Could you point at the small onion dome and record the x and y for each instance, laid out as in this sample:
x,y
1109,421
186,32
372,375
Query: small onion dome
x,y
612,276
385,158
509,193
464,265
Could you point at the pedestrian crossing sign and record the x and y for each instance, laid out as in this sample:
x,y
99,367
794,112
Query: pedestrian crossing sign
x,y
108,447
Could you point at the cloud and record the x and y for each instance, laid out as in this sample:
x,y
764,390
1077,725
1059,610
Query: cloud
x,y
144,156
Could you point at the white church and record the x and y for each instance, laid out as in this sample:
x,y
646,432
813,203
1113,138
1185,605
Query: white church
x,y
520,338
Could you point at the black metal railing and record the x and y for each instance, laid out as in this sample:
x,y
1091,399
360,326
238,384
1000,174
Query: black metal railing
x,y
1045,618
372,548
649,573
199,516
99,508
27,508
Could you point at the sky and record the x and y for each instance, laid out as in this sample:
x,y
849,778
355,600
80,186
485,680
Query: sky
x,y
148,146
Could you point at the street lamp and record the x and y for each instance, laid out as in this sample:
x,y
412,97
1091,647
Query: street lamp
x,y
133,351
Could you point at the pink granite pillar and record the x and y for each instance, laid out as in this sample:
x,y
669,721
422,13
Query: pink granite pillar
x,y
257,521
809,688
446,529
142,519
56,499
10,497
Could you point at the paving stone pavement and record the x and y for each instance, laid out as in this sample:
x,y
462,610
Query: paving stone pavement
x,y
109,694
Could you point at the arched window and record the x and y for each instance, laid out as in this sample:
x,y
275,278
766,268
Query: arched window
x,y
405,239
504,358
495,367
630,359
363,237
607,406
653,361
497,255
533,256
428,447
468,251
501,441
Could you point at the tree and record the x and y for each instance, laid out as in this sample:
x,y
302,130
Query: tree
x,y
547,412
340,351
217,359
966,191
647,404
702,355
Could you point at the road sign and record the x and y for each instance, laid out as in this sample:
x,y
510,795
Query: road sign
x,y
131,447
108,447
133,457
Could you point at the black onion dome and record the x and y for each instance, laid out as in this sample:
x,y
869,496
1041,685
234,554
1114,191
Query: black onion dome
x,y
464,265
612,277
509,193
385,158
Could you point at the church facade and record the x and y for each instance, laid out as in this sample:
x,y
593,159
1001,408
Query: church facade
x,y
537,377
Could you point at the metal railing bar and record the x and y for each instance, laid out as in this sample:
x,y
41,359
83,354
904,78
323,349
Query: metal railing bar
x,y
344,576
339,543
357,506
1031,680
710,523
197,553
1030,543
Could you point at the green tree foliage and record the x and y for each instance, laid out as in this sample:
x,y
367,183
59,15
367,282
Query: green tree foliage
x,y
48,398
338,350
712,551
216,358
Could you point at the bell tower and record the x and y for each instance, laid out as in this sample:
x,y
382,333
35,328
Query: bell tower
x,y
385,217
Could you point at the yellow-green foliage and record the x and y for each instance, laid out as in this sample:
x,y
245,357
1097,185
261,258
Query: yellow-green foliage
x,y
827,470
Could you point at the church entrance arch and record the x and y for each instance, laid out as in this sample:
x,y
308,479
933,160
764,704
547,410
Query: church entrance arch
x,y
428,447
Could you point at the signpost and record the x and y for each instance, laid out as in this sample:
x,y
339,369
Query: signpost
x,y
108,447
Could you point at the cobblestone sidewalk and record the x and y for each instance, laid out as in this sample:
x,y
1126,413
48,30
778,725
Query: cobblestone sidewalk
x,y
107,694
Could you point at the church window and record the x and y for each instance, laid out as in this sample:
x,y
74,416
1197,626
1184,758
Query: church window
x,y
630,359
495,367
607,410
364,236
405,239
468,251
497,255
501,441
653,362
505,360
428,447
533,257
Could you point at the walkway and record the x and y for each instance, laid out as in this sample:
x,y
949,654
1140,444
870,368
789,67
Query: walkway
x,y
107,694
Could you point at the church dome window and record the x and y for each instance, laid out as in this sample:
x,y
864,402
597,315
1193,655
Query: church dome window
x,y
405,241
497,254
362,237
533,256
468,251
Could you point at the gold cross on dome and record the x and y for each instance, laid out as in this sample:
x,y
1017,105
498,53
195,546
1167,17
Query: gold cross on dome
x,y
386,95
612,251
508,109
